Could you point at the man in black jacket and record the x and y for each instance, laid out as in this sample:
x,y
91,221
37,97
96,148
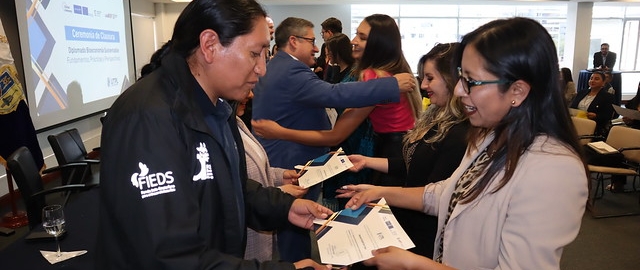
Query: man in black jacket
x,y
174,191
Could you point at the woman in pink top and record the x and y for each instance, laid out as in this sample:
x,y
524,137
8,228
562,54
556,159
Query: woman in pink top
x,y
378,50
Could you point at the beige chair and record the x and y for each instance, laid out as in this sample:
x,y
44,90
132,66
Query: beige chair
x,y
627,141
585,128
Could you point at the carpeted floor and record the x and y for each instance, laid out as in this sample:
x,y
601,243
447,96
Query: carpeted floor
x,y
607,243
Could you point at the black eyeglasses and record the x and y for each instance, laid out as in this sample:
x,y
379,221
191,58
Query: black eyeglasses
x,y
467,84
312,40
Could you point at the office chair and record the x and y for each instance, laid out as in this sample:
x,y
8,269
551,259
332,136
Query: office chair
x,y
627,141
27,176
68,148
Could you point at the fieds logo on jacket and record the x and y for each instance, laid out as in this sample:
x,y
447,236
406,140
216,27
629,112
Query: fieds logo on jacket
x,y
206,172
152,184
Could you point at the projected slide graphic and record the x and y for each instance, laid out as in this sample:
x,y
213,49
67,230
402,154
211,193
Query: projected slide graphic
x,y
79,53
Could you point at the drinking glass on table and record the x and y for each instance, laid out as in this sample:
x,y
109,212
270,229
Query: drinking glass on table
x,y
53,222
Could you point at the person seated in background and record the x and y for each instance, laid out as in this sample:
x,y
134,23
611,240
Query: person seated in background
x,y
604,59
260,244
617,160
597,102
432,150
633,104
519,195
608,77
569,86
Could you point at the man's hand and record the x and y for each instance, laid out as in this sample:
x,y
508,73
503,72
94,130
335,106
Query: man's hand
x,y
303,212
406,82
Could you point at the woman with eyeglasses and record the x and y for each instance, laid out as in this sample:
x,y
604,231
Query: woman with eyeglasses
x,y
597,102
520,192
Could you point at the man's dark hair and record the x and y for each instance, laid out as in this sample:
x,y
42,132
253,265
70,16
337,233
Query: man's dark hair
x,y
332,24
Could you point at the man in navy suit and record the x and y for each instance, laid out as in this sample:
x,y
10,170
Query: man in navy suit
x,y
604,59
292,95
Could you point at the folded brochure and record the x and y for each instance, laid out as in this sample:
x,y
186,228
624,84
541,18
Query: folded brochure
x,y
323,168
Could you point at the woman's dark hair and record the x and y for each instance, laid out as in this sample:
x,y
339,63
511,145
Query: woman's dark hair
x,y
332,24
339,46
520,49
228,18
603,77
566,75
384,46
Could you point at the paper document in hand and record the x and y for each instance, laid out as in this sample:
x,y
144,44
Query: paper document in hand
x,y
353,234
632,114
602,147
323,168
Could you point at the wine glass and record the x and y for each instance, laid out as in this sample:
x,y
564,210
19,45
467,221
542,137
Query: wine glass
x,y
53,222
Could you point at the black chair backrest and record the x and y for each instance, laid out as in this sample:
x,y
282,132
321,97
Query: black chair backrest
x,y
68,147
23,168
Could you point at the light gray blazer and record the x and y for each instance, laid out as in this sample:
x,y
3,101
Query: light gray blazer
x,y
524,225
260,245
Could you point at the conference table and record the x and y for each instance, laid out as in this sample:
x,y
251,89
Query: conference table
x,y
81,225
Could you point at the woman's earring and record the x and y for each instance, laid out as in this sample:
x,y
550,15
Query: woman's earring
x,y
513,102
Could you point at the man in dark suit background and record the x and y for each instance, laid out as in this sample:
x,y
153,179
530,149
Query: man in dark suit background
x,y
604,59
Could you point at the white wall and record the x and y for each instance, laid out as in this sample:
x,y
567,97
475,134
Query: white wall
x,y
314,13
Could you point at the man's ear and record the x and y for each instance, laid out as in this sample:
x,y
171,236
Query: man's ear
x,y
209,44
519,92
292,43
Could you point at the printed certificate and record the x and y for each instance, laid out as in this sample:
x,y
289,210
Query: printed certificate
x,y
351,235
323,168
